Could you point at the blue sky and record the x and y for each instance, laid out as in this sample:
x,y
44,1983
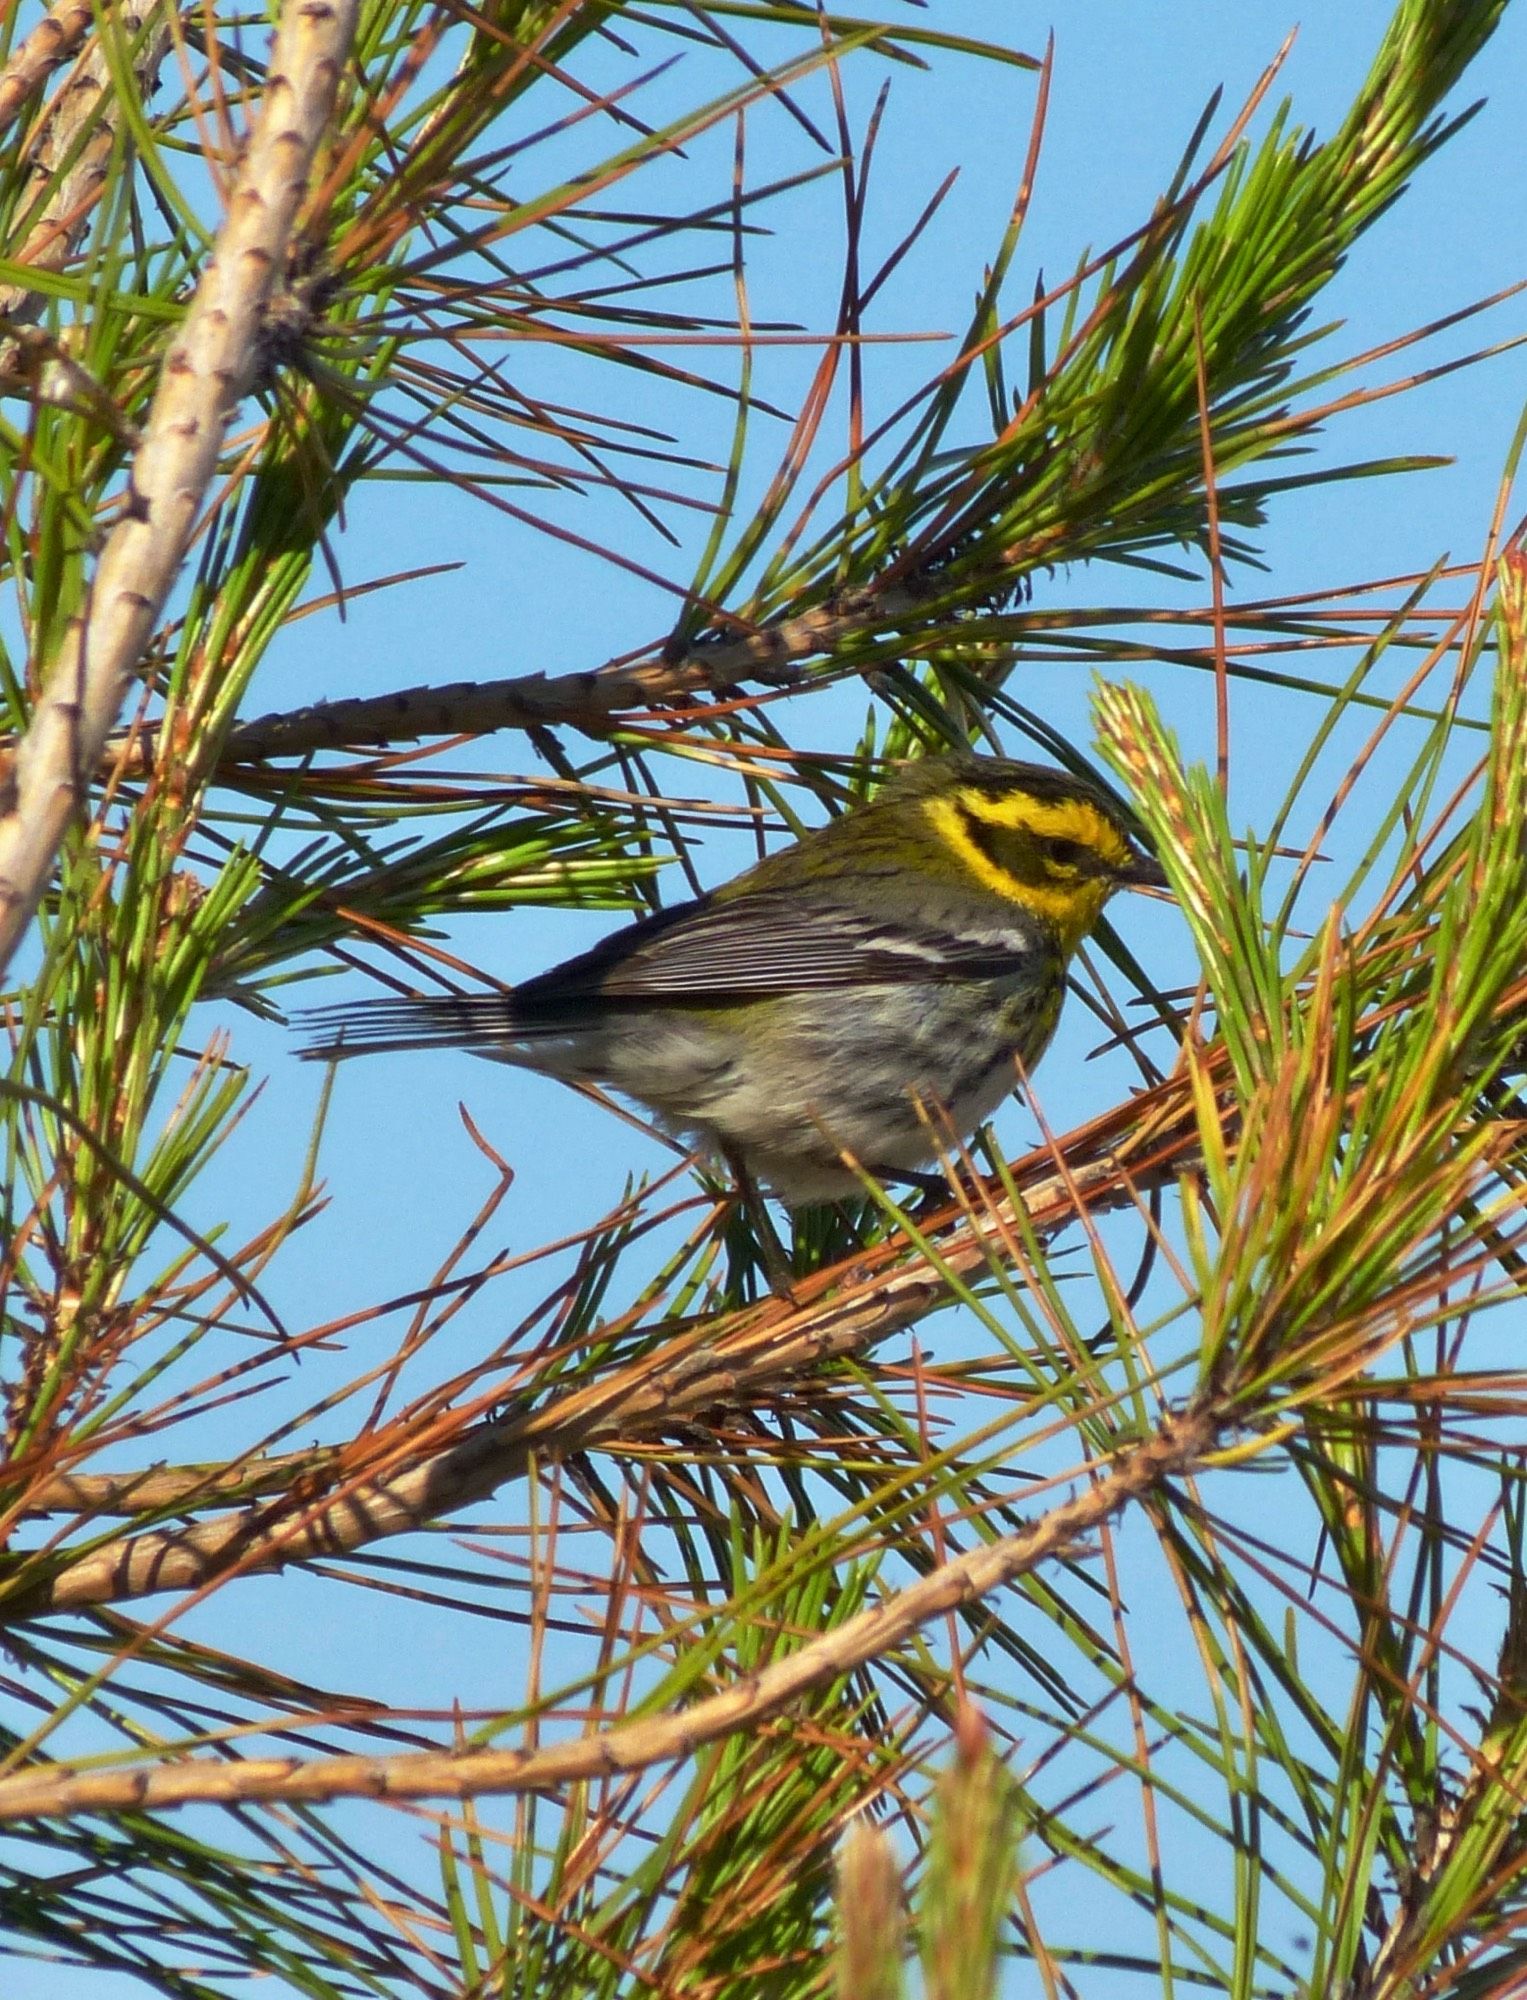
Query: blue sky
x,y
1129,83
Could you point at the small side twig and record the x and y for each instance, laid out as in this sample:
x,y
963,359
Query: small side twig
x,y
591,700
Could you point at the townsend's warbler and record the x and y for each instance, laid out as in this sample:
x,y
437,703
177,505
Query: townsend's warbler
x,y
893,962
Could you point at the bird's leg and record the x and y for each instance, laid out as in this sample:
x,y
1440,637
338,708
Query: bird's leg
x,y
933,1188
776,1261
925,1183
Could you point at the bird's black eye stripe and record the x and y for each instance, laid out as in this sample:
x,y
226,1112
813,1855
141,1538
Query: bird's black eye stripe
x,y
1074,855
983,835
1056,849
1066,853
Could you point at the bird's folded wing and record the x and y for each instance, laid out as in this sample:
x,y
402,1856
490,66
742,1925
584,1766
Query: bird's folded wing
x,y
751,947
717,952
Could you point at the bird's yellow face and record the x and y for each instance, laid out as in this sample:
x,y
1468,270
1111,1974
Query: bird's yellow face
x,y
1059,858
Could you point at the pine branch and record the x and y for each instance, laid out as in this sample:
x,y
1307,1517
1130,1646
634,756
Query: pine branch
x,y
206,374
1173,1451
70,163
55,38
698,1370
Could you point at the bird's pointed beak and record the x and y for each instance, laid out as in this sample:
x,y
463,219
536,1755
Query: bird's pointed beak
x,y
1144,872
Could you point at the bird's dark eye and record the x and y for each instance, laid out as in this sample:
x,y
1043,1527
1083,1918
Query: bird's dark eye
x,y
1064,853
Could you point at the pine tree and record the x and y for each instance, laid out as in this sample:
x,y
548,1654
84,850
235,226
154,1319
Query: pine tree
x,y
1106,1577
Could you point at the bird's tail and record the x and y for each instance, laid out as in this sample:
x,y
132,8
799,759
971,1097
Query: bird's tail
x,y
370,1027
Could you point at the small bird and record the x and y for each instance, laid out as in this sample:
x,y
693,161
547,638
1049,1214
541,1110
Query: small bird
x,y
902,959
